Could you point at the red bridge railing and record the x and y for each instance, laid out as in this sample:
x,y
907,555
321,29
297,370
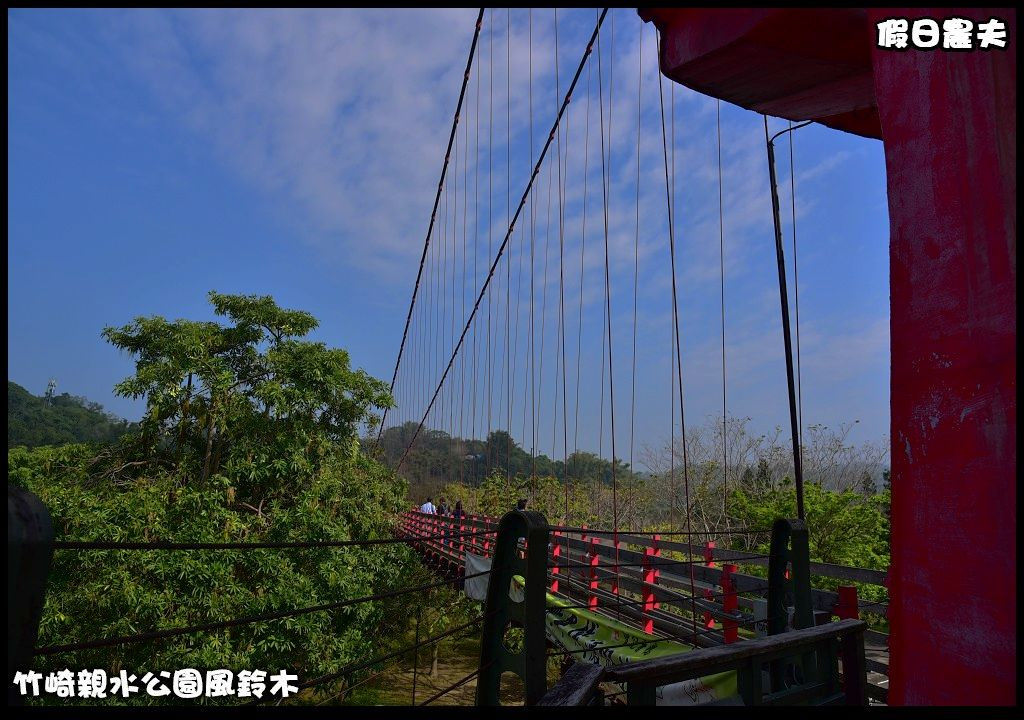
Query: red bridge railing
x,y
646,581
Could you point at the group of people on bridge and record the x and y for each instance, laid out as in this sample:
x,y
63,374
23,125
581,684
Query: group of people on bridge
x,y
442,508
457,512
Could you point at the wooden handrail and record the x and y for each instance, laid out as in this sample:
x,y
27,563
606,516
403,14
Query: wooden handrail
x,y
629,580
697,663
577,686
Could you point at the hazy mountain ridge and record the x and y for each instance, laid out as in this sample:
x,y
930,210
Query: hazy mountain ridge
x,y
33,421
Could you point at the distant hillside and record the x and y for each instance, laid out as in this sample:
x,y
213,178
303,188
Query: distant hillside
x,y
62,419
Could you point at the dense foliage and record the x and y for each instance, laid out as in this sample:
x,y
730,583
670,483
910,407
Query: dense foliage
x,y
250,435
847,516
250,401
844,528
58,419
437,458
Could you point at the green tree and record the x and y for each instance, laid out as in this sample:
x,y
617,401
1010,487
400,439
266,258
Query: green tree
x,y
250,399
845,528
250,435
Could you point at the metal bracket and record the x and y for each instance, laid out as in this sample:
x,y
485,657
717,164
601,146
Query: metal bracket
x,y
529,662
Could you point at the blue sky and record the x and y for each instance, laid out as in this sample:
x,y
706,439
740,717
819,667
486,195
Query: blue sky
x,y
156,155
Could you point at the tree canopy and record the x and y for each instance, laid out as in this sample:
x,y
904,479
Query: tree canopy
x,y
250,434
251,399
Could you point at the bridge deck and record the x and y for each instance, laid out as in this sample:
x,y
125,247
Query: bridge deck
x,y
618,593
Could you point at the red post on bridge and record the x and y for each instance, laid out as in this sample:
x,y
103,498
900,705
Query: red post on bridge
x,y
847,607
615,578
656,552
709,554
556,553
583,553
730,602
650,579
594,558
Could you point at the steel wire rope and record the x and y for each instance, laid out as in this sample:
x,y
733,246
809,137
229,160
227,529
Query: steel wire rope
x,y
504,244
796,295
636,268
721,262
606,189
433,214
675,317
224,624
454,686
356,667
784,303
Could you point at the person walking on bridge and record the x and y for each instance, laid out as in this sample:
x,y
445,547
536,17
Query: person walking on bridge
x,y
428,507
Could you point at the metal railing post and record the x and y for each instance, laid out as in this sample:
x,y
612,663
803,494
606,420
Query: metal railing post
x,y
29,554
529,662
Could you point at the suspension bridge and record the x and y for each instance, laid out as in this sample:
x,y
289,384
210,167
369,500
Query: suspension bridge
x,y
496,338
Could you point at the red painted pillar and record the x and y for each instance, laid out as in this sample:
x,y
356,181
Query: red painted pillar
x,y
847,607
648,589
949,125
730,603
556,554
948,121
655,559
583,553
709,554
615,580
594,558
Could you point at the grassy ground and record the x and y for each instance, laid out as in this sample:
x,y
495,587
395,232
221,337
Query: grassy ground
x,y
394,684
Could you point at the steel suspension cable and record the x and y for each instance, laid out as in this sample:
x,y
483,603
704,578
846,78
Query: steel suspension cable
x,y
490,220
672,333
636,268
675,318
157,545
511,227
533,274
476,242
583,254
508,260
543,314
561,282
433,213
455,686
796,295
356,667
444,424
247,620
465,230
606,187
784,301
721,261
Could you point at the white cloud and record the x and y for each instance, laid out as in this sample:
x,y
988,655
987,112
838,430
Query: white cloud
x,y
343,114
340,119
